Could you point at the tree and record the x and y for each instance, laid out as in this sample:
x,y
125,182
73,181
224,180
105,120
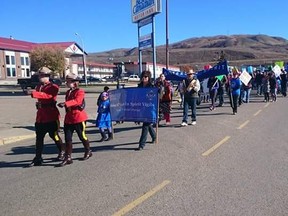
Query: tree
x,y
185,68
48,56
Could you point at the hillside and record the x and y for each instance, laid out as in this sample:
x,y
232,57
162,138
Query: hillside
x,y
239,49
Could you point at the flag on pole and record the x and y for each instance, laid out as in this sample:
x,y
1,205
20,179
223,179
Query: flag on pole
x,y
219,69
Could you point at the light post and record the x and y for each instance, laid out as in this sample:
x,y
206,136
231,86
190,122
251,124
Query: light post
x,y
84,58
167,38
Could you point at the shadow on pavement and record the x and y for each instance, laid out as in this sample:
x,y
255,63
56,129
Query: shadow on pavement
x,y
50,149
32,128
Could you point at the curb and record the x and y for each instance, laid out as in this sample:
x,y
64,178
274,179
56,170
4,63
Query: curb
x,y
8,140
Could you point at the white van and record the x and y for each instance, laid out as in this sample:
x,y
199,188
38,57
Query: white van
x,y
133,78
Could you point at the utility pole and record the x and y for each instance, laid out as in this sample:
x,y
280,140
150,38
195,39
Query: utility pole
x,y
167,38
84,59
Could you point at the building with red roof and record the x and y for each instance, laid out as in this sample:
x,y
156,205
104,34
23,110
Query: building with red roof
x,y
15,60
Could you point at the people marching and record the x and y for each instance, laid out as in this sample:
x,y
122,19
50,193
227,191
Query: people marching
x,y
237,88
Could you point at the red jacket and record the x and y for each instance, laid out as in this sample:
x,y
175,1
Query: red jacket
x,y
75,112
46,105
165,90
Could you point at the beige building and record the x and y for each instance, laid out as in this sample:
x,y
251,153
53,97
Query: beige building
x,y
15,60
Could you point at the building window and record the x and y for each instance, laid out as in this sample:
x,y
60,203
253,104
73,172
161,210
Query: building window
x,y
11,72
10,64
24,61
7,60
27,61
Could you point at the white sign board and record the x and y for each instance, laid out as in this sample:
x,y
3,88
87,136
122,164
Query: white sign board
x,y
277,70
144,8
245,77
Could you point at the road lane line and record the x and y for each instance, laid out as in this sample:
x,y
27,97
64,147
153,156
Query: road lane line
x,y
255,114
266,105
213,148
243,125
141,199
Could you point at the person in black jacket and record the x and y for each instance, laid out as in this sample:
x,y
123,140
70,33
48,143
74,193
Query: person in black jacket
x,y
147,126
283,77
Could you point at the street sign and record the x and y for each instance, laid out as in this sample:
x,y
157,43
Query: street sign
x,y
145,41
145,21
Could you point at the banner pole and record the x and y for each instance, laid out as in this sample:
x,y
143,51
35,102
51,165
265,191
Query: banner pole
x,y
157,119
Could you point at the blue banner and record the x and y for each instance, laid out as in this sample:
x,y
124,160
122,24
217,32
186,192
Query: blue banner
x,y
174,75
134,104
219,69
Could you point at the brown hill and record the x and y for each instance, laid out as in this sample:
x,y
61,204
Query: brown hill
x,y
238,49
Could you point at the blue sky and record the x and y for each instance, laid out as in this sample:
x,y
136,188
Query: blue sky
x,y
105,25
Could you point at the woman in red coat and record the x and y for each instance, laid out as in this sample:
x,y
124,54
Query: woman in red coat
x,y
165,89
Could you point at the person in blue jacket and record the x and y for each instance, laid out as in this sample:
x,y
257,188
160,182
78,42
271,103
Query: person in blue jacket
x,y
103,120
235,86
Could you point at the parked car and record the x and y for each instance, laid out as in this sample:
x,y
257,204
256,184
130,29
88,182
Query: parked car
x,y
133,78
108,79
33,81
91,79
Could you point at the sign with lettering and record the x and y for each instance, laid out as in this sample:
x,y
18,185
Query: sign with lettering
x,y
144,8
134,104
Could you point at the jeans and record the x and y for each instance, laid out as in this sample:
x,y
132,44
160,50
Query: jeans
x,y
246,95
145,128
189,102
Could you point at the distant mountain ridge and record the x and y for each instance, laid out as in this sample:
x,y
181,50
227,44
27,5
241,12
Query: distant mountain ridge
x,y
238,49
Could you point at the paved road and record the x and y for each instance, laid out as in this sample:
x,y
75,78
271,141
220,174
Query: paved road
x,y
225,165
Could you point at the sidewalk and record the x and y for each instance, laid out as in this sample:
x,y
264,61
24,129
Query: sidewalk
x,y
8,136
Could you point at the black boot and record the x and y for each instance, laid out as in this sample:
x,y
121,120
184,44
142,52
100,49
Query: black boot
x,y
88,152
68,159
110,136
103,136
61,150
36,162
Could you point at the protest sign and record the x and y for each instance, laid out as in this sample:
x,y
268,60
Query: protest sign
x,y
245,77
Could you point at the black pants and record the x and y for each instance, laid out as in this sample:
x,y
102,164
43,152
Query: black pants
x,y
41,129
79,128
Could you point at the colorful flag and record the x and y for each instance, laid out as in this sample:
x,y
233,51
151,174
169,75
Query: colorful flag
x,y
279,63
